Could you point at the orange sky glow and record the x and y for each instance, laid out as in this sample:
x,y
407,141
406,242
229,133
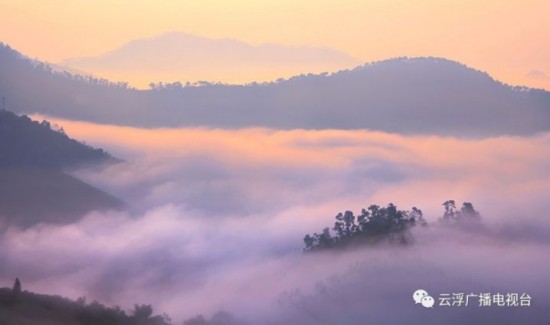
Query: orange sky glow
x,y
507,38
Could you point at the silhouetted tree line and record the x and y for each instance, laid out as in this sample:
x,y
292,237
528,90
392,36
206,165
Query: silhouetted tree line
x,y
372,224
7,51
27,308
178,85
382,223
24,307
396,87
27,143
219,318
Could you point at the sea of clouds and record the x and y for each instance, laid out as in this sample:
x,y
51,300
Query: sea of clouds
x,y
216,218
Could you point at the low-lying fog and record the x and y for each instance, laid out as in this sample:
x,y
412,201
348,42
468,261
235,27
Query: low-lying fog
x,y
216,220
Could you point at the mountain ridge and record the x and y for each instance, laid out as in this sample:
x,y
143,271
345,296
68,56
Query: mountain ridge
x,y
34,184
429,95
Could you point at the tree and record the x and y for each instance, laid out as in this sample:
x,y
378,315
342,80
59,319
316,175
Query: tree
x,y
309,241
142,312
468,211
466,214
17,286
219,318
449,209
373,224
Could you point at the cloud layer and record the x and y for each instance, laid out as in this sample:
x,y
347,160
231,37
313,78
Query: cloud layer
x,y
217,219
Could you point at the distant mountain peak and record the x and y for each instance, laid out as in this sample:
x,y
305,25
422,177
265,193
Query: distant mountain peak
x,y
186,57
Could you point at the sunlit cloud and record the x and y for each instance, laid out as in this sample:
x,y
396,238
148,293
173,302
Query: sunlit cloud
x,y
217,217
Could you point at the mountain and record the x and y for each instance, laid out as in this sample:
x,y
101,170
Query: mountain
x,y
186,57
27,143
32,196
34,187
407,96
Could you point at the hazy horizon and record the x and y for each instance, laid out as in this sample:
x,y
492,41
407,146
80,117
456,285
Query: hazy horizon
x,y
274,162
183,57
476,34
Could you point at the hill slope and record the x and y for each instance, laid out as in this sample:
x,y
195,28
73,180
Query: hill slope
x,y
31,196
408,96
33,186
27,143
28,308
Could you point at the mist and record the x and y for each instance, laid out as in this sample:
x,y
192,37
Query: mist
x,y
216,220
187,57
410,96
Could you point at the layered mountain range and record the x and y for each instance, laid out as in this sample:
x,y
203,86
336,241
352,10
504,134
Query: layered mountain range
x,y
403,95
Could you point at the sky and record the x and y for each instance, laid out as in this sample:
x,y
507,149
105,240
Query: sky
x,y
508,39
216,217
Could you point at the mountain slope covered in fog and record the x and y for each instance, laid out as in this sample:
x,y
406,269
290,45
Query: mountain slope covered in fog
x,y
33,185
406,96
27,143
